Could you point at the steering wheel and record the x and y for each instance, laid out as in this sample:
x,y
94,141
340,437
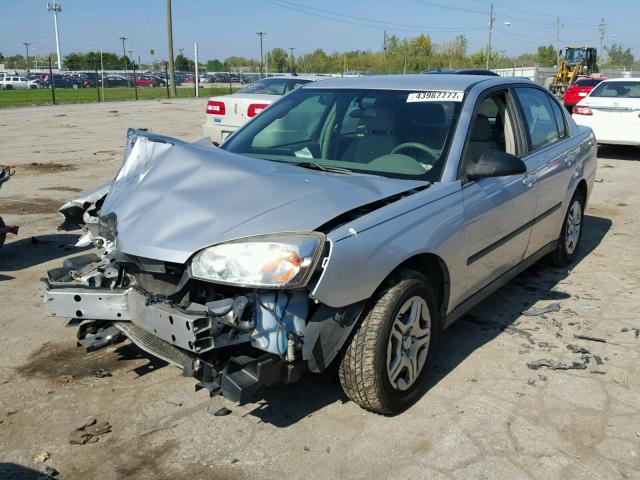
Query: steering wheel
x,y
416,146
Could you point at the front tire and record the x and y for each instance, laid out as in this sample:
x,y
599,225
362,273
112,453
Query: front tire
x,y
383,367
571,234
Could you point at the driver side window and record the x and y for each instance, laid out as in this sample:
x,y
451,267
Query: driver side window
x,y
491,129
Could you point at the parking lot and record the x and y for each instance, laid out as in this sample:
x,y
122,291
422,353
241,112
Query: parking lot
x,y
486,414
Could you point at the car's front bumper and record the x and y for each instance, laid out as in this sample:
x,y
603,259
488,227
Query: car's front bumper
x,y
190,330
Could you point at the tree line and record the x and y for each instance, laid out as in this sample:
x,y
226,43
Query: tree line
x,y
398,55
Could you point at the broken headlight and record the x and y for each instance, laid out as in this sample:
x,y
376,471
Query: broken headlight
x,y
266,261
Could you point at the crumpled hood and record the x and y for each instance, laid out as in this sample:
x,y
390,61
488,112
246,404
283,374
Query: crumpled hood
x,y
172,198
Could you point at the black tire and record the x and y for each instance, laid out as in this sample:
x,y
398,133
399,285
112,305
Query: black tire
x,y
564,255
363,368
3,235
8,87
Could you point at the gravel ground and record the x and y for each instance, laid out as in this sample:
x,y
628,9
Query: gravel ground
x,y
485,415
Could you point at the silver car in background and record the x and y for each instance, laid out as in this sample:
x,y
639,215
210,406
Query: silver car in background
x,y
350,222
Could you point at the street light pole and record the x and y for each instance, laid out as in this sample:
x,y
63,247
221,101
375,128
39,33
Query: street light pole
x,y
56,8
491,19
291,67
124,55
261,34
172,73
26,45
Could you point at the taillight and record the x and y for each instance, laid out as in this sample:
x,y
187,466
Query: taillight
x,y
256,108
215,108
582,110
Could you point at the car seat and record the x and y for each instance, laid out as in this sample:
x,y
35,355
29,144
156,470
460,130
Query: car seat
x,y
481,139
375,134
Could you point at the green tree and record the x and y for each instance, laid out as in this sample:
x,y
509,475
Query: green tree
x,y
317,62
619,56
183,64
214,65
278,60
422,45
547,56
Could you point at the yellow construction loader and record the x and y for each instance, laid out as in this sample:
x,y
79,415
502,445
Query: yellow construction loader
x,y
575,62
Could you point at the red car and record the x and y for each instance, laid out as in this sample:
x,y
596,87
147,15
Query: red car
x,y
145,82
579,90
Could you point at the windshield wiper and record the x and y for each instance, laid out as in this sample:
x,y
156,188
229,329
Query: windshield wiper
x,y
317,166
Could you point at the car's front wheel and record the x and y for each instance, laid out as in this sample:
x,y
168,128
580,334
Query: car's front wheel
x,y
383,367
571,234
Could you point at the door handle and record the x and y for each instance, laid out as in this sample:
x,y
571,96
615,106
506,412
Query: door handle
x,y
529,179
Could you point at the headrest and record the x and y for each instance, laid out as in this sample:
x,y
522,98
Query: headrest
x,y
375,118
481,130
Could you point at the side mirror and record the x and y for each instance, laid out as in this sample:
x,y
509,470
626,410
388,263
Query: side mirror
x,y
495,163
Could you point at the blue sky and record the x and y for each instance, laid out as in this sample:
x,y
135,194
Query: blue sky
x,y
224,28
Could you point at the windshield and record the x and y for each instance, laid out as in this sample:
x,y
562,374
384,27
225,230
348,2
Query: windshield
x,y
274,86
391,133
629,89
575,56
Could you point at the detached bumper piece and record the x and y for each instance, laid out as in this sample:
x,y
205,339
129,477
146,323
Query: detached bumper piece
x,y
243,376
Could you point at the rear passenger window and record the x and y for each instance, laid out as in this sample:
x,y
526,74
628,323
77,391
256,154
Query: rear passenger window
x,y
539,117
557,112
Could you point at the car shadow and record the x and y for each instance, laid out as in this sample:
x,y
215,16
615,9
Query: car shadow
x,y
618,152
285,405
129,351
28,252
13,471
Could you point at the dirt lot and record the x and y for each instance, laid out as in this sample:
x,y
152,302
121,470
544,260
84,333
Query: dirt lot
x,y
485,415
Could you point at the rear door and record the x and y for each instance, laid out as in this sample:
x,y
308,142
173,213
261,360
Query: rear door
x,y
552,154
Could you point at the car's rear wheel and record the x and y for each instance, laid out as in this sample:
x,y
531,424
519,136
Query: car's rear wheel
x,y
571,234
383,367
3,235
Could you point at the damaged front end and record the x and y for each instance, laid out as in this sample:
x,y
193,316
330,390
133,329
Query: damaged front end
x,y
237,314
234,340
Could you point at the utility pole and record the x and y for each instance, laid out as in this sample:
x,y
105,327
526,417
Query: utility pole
x,y
56,8
101,72
558,40
172,73
491,20
384,41
261,34
602,32
292,63
124,54
26,45
196,68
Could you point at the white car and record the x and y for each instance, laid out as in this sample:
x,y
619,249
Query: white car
x,y
227,113
612,110
14,82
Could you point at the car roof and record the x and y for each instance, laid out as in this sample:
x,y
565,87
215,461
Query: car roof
x,y
464,71
629,79
297,77
411,82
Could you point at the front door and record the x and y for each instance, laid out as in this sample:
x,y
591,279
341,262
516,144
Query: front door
x,y
497,210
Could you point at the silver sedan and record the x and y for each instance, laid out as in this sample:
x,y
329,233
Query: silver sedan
x,y
350,222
